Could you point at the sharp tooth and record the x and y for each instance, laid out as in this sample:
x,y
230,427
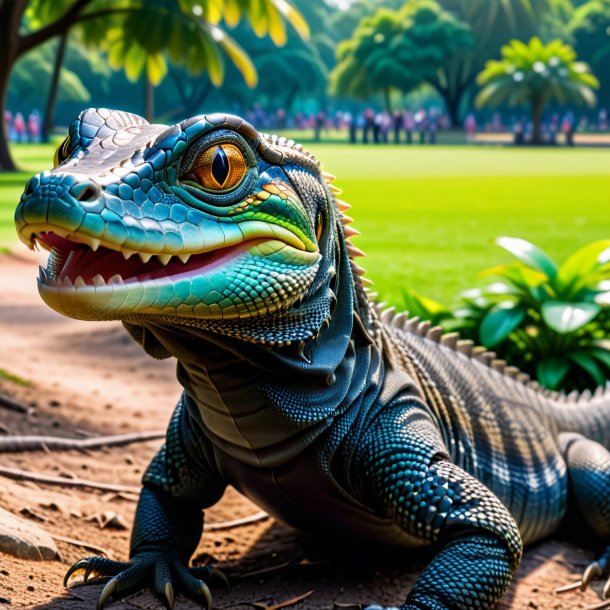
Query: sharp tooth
x,y
79,282
67,282
144,257
94,243
115,279
98,280
127,253
184,257
164,258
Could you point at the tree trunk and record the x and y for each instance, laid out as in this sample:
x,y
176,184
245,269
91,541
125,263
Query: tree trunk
x,y
47,124
537,108
10,18
149,113
452,101
6,160
386,100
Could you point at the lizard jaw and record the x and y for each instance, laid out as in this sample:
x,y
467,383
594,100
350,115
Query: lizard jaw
x,y
79,264
109,284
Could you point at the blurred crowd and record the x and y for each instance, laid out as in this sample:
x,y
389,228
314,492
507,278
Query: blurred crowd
x,y
22,129
374,127
369,126
553,124
422,126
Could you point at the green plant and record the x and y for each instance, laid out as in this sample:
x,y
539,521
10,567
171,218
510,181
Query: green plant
x,y
535,74
551,321
425,308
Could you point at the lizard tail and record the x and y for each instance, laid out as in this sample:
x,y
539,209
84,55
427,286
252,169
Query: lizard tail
x,y
585,413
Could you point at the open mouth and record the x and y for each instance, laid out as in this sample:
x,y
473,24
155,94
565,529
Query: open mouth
x,y
76,264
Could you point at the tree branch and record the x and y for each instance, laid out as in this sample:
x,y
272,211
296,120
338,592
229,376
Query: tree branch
x,y
12,444
59,26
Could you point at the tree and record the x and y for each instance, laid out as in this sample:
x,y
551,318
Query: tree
x,y
136,34
591,31
534,74
492,24
398,50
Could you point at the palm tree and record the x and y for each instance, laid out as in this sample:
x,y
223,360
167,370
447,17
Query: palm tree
x,y
535,74
492,24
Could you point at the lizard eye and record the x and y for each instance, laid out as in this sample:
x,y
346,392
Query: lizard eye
x,y
220,167
61,154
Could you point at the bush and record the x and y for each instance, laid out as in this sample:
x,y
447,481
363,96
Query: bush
x,y
551,321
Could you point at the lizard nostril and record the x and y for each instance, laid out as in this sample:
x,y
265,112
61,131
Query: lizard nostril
x,y
85,191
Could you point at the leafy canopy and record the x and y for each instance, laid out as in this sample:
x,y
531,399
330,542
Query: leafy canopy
x,y
536,73
398,49
138,34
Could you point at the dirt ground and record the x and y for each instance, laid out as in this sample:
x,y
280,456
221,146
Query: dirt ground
x,y
89,379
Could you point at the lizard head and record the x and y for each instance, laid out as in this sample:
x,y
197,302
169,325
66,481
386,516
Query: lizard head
x,y
204,222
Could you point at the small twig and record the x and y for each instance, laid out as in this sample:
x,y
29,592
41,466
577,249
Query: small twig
x,y
13,405
13,444
571,587
226,525
284,604
81,543
24,475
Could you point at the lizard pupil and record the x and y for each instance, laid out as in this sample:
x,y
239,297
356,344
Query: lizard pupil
x,y
220,166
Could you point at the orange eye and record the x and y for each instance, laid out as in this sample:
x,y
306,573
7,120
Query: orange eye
x,y
61,154
220,167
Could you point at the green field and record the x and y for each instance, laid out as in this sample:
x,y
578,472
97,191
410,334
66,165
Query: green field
x,y
429,215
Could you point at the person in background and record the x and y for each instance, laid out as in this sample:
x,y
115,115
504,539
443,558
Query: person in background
x,y
19,128
33,126
409,126
471,127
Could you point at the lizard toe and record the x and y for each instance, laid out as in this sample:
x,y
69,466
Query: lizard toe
x,y
194,588
211,575
98,566
163,584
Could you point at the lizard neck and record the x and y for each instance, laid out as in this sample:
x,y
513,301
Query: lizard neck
x,y
264,404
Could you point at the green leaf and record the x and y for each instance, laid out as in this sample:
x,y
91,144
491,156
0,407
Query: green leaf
x,y
552,371
602,355
529,254
565,317
427,309
499,322
582,264
586,362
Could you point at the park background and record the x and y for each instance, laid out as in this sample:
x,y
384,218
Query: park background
x,y
501,112
448,123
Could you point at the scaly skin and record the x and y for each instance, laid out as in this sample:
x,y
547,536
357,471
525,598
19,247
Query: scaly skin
x,y
228,250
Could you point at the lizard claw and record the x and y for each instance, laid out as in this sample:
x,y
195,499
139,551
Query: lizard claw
x,y
107,591
168,594
165,571
195,588
99,566
593,570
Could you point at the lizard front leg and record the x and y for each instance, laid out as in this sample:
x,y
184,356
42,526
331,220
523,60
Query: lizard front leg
x,y
168,524
406,474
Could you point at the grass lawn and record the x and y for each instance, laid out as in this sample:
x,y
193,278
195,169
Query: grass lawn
x,y
429,215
